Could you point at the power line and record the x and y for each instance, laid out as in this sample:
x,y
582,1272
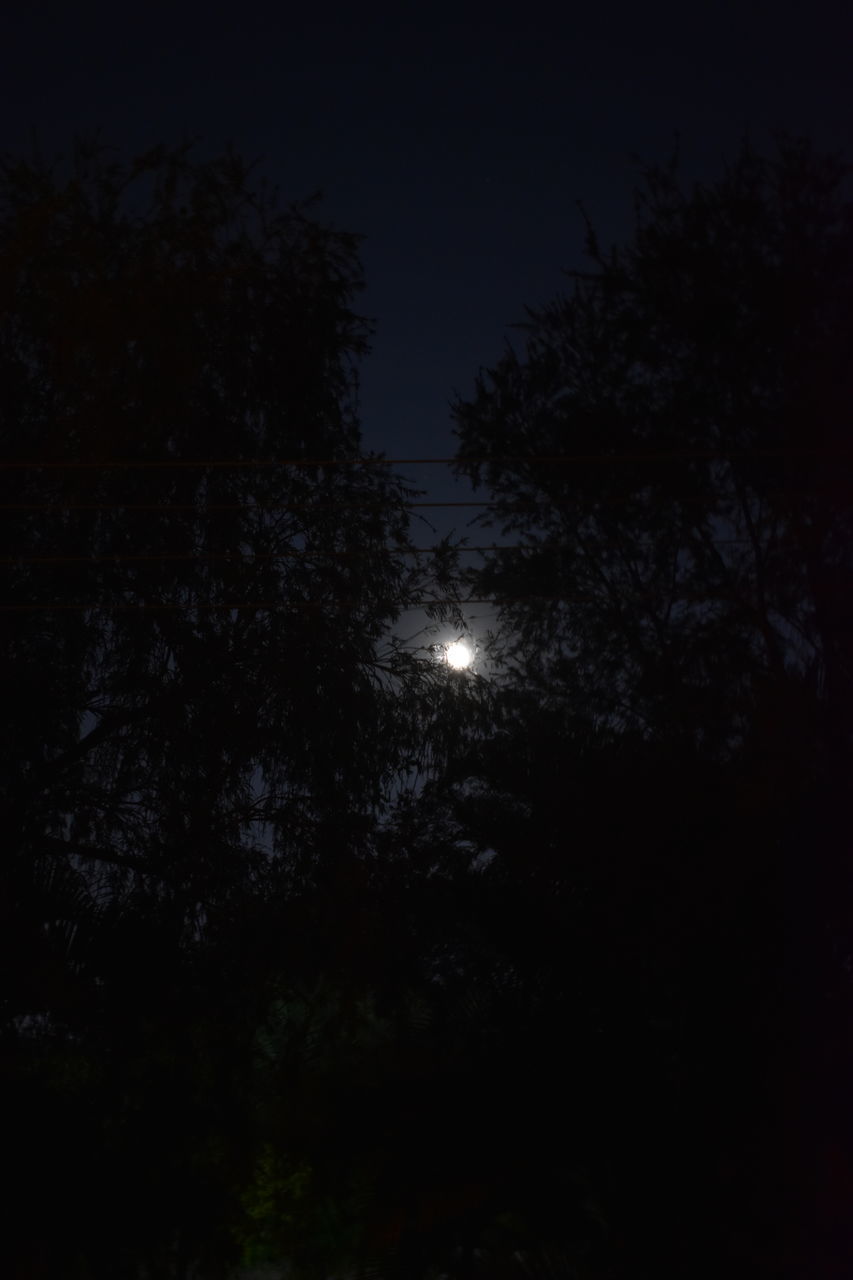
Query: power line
x,y
247,557
343,604
498,506
313,605
299,553
226,506
251,604
237,604
549,460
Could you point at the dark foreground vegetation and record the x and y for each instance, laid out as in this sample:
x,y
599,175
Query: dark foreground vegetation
x,y
316,950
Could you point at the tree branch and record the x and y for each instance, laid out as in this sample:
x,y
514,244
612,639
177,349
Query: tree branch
x,y
58,847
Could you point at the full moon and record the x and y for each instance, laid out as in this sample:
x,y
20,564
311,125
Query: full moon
x,y
459,654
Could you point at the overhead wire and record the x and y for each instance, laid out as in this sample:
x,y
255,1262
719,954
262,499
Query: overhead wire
x,y
651,455
224,506
350,504
297,605
120,557
563,459
499,507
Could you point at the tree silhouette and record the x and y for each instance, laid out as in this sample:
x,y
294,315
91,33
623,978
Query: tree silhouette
x,y
632,1007
673,452
697,384
318,953
208,713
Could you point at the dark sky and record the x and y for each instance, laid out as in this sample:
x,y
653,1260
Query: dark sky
x,y
457,139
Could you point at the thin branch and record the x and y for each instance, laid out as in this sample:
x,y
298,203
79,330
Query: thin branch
x,y
58,847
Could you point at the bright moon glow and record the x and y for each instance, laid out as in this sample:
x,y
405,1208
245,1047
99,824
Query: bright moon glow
x,y
459,654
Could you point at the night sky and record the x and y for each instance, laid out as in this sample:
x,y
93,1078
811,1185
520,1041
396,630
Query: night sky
x,y
457,140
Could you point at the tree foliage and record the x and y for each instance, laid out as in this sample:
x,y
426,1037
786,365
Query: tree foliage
x,y
208,712
319,954
207,617
672,453
695,544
